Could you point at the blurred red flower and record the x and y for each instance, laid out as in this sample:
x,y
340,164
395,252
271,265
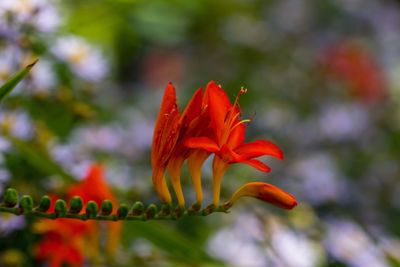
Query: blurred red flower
x,y
67,241
354,65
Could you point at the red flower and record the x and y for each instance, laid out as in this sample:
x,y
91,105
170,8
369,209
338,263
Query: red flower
x,y
66,241
209,124
227,140
58,252
93,187
63,240
357,68
168,150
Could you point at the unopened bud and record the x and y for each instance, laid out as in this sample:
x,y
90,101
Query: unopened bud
x,y
10,197
26,203
265,192
137,209
106,207
44,204
60,208
76,205
122,211
151,211
91,209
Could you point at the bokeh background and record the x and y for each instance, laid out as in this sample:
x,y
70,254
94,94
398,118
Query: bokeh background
x,y
323,81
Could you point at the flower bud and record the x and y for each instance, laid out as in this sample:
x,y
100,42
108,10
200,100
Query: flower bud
x,y
26,203
165,210
178,211
151,211
76,205
137,209
44,204
10,197
122,211
91,209
195,207
106,207
265,192
60,208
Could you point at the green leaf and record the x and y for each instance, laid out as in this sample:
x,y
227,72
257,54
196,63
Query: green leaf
x,y
14,80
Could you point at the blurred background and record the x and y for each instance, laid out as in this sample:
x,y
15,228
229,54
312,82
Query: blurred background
x,y
323,81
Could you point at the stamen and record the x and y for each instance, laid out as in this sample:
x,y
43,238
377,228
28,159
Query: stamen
x,y
240,122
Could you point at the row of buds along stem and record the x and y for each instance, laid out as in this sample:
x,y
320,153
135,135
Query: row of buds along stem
x,y
210,124
24,205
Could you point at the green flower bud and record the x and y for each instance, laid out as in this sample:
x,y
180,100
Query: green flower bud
x,y
165,210
151,211
76,205
195,207
10,197
60,208
106,207
44,204
91,209
26,203
137,209
179,210
122,211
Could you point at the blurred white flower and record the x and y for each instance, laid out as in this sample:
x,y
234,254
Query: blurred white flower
x,y
348,242
48,18
7,63
340,122
103,138
43,77
119,174
129,141
4,174
85,60
4,146
71,157
294,249
10,223
41,14
18,123
320,178
238,245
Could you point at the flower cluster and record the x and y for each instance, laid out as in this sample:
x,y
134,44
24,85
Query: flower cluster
x,y
66,241
210,124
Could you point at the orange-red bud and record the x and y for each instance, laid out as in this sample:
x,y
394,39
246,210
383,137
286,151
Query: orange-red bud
x,y
265,192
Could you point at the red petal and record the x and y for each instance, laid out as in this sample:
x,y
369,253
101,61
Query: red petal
x,y
219,105
229,155
236,138
259,148
257,164
166,128
204,143
194,106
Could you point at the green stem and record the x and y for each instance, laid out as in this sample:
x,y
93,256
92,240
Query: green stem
x,y
113,217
